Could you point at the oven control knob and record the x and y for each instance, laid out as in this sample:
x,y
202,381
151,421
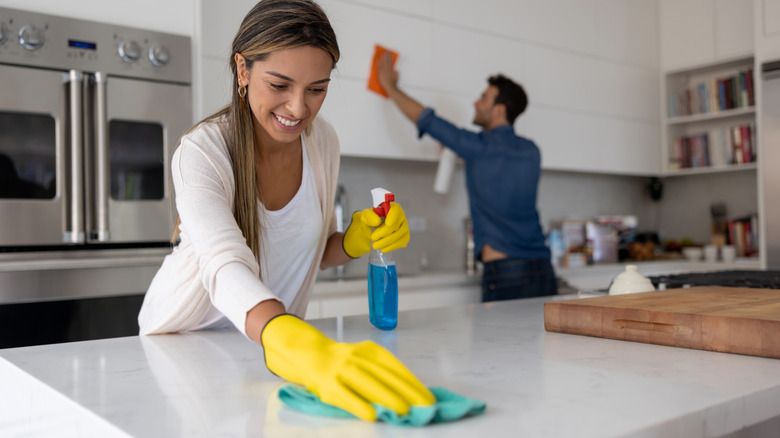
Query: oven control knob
x,y
129,51
31,38
159,55
3,33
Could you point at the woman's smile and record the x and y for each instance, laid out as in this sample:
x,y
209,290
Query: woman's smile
x,y
287,123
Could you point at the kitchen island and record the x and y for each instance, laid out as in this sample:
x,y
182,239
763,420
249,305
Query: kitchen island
x,y
535,383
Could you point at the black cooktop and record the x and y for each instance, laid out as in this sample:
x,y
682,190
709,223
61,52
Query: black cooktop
x,y
746,278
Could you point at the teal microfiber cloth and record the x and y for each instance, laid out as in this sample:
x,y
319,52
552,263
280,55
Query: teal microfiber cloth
x,y
449,406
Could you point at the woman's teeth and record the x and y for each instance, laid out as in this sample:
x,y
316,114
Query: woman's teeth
x,y
287,122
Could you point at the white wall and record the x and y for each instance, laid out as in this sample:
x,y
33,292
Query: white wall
x,y
172,16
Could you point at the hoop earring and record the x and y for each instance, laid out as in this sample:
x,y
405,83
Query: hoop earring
x,y
242,91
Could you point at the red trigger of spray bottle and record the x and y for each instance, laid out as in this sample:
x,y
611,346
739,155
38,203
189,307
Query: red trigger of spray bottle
x,y
384,207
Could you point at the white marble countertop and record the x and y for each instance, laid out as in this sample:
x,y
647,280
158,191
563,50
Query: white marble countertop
x,y
535,383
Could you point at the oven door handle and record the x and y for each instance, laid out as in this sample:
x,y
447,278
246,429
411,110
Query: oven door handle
x,y
101,164
74,197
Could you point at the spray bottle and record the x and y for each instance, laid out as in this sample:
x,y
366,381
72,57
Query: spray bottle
x,y
382,276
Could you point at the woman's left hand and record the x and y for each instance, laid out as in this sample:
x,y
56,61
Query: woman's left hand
x,y
394,232
388,236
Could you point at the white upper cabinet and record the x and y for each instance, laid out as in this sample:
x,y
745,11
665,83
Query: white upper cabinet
x,y
697,32
627,31
563,24
590,68
767,19
733,28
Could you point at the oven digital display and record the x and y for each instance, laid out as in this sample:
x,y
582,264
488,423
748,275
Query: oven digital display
x,y
76,44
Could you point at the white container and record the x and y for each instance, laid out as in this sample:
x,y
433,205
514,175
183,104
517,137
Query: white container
x,y
693,254
728,253
444,171
630,281
711,253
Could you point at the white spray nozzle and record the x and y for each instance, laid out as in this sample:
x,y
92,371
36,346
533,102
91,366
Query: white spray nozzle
x,y
378,195
382,199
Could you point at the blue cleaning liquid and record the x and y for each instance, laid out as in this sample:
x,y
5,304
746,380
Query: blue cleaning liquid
x,y
383,296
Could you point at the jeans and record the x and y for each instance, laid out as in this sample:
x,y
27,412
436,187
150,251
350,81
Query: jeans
x,y
508,279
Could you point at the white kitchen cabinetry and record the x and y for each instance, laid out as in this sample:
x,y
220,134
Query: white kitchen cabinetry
x,y
697,32
767,20
703,41
590,68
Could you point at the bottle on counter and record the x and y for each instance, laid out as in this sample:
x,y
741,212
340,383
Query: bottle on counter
x,y
382,275
471,262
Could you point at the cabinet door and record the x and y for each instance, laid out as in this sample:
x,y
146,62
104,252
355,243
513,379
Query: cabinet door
x,y
695,32
687,35
767,20
733,28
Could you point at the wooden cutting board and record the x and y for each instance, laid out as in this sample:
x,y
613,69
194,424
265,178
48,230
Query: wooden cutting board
x,y
726,319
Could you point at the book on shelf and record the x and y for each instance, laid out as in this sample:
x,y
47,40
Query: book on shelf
x,y
743,234
714,148
713,95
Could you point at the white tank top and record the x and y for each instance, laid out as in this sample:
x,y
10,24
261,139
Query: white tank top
x,y
290,237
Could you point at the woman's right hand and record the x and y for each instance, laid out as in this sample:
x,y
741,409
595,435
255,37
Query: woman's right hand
x,y
349,376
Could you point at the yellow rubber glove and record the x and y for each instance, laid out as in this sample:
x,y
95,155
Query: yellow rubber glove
x,y
357,238
349,376
394,232
388,236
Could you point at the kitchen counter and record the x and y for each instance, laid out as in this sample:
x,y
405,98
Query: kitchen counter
x,y
599,277
535,383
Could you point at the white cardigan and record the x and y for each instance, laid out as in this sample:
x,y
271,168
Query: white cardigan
x,y
212,265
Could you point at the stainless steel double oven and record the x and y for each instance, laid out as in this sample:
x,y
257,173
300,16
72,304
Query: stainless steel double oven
x,y
89,116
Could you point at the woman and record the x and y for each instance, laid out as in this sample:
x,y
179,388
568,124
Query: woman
x,y
255,185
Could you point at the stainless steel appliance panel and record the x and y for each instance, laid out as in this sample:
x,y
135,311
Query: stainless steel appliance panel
x,y
90,114
71,44
769,156
52,276
33,124
142,136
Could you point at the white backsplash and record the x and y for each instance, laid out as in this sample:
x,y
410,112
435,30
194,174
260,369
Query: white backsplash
x,y
441,246
682,212
685,209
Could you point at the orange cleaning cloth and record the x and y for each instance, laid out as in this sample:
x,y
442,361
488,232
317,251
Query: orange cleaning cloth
x,y
373,77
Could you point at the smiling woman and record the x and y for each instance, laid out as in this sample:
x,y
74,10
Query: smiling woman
x,y
255,186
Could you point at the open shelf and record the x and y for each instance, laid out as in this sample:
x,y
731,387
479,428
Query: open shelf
x,y
720,115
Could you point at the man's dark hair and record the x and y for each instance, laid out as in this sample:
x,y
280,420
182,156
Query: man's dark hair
x,y
511,95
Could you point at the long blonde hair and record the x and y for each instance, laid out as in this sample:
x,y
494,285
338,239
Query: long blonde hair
x,y
270,26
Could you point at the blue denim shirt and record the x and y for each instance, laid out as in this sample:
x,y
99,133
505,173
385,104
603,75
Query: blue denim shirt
x,y
502,178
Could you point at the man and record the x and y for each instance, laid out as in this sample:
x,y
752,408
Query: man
x,y
502,177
